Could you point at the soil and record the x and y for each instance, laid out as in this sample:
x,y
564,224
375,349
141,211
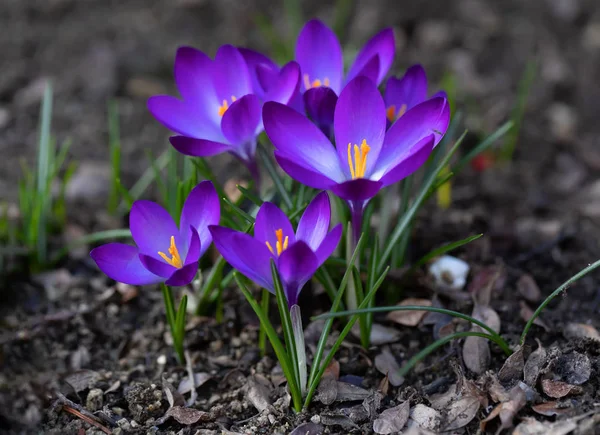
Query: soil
x,y
77,348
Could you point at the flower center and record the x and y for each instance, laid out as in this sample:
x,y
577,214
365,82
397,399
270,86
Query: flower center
x,y
315,83
281,244
358,166
223,107
175,259
391,112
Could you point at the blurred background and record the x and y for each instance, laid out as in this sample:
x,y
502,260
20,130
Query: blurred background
x,y
95,51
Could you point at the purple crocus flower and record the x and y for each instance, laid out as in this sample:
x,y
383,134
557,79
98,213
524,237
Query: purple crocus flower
x,y
319,53
402,94
219,110
164,253
366,157
297,255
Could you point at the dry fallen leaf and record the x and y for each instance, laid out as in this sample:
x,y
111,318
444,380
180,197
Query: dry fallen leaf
x,y
258,394
392,420
512,369
527,313
185,386
530,426
488,316
409,318
188,416
308,429
348,393
534,365
387,365
81,379
327,390
574,368
476,354
528,288
558,389
173,396
461,412
507,411
550,409
440,401
384,385
425,417
484,282
581,330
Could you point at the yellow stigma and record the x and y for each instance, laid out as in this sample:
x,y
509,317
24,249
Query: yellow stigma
x,y
281,244
175,259
358,166
315,83
223,107
391,112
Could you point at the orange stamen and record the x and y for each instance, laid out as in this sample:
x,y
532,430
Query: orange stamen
x,y
281,244
358,165
315,83
223,107
175,259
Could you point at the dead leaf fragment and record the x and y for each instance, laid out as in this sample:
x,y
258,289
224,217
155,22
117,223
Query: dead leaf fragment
x,y
527,313
558,389
512,369
508,410
550,409
409,318
308,429
528,288
327,390
440,401
392,420
258,394
81,379
461,412
574,368
387,365
534,364
530,426
173,396
185,386
379,334
188,416
476,354
581,330
348,393
425,417
488,316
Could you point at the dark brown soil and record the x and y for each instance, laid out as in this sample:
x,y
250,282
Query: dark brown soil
x,y
71,340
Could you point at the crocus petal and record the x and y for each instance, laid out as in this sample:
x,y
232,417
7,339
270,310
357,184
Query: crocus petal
x,y
122,263
246,254
266,76
320,106
193,79
198,147
371,69
302,173
381,45
152,228
254,60
183,276
359,115
157,267
361,189
314,223
429,117
407,91
241,120
285,84
293,134
329,244
230,74
270,219
201,209
440,94
195,249
417,156
184,117
296,265
319,54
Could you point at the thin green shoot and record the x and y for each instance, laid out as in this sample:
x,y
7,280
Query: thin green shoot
x,y
114,142
565,285
262,334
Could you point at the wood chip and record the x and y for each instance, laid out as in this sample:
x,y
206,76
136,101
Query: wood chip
x,y
461,412
387,365
409,318
392,420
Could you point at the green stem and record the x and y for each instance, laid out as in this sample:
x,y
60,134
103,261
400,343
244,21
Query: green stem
x,y
262,334
497,338
555,293
438,343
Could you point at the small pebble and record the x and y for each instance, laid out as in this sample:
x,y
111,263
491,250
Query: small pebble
x,y
161,360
